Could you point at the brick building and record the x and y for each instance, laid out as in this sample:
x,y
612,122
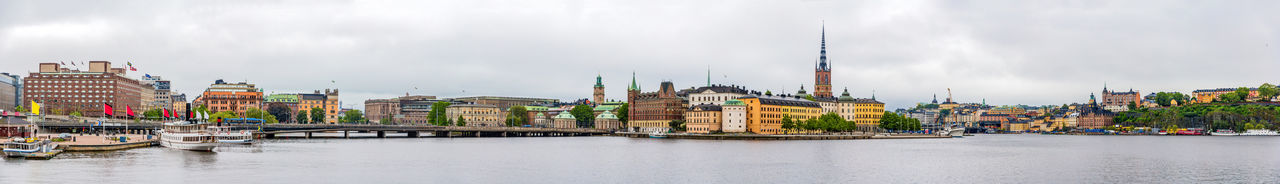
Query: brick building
x,y
63,91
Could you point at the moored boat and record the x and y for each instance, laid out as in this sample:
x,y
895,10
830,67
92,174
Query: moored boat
x,y
185,135
657,134
1224,132
225,135
32,149
1259,132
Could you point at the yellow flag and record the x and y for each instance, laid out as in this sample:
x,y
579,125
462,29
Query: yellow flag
x,y
35,108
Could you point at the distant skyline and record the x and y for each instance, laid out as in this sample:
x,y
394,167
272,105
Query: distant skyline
x,y
1007,52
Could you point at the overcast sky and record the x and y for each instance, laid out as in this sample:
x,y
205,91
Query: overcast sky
x,y
1007,52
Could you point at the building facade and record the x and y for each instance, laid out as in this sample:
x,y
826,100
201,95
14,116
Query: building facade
x,y
476,115
1209,95
822,72
765,113
401,110
504,103
654,110
237,98
607,121
705,118
327,101
597,95
64,91
735,116
10,92
715,95
867,113
564,120
1120,99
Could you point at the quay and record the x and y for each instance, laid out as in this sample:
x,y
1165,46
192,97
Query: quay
x,y
851,136
90,142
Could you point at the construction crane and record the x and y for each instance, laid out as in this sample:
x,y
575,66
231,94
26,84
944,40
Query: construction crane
x,y
949,95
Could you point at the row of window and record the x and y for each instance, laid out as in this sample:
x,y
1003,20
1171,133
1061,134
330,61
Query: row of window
x,y
71,96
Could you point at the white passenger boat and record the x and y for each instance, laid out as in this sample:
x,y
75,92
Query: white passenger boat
x,y
33,149
1224,132
185,135
227,136
657,134
1259,132
956,132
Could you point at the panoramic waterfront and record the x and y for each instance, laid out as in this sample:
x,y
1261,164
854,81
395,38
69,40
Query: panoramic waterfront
x,y
974,159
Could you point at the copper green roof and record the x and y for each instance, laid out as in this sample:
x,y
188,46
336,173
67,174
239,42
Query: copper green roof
x,y
293,98
606,115
734,102
599,81
535,108
565,115
606,108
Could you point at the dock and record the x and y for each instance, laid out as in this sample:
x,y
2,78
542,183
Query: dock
x,y
849,136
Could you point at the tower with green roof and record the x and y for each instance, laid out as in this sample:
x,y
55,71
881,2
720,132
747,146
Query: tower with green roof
x,y
598,95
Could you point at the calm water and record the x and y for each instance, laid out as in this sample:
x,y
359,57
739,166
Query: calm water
x,y
978,159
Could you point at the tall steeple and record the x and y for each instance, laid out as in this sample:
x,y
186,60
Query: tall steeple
x,y
708,75
822,72
822,54
633,83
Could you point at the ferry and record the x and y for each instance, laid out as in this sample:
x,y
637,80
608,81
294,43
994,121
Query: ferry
x,y
189,136
225,135
955,132
657,134
1259,132
1224,132
32,149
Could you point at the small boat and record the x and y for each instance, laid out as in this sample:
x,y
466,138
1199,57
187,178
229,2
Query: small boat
x,y
657,134
1224,132
1259,132
186,135
225,135
955,132
32,149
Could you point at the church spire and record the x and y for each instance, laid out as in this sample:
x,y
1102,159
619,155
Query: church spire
x,y
633,82
822,54
708,75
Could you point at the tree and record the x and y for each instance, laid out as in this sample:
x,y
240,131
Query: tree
x,y
461,122
1268,91
279,111
516,116
317,115
623,113
676,125
1133,105
585,115
224,115
889,121
386,121
259,113
353,116
76,114
787,123
21,109
437,115
152,114
302,116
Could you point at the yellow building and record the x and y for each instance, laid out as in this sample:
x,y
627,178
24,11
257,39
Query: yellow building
x,y
476,115
705,118
764,113
1007,110
327,101
867,113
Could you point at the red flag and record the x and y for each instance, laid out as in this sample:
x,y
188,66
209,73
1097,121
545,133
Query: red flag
x,y
128,110
165,112
132,69
106,109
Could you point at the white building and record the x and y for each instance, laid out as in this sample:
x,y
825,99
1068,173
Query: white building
x,y
715,94
735,117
